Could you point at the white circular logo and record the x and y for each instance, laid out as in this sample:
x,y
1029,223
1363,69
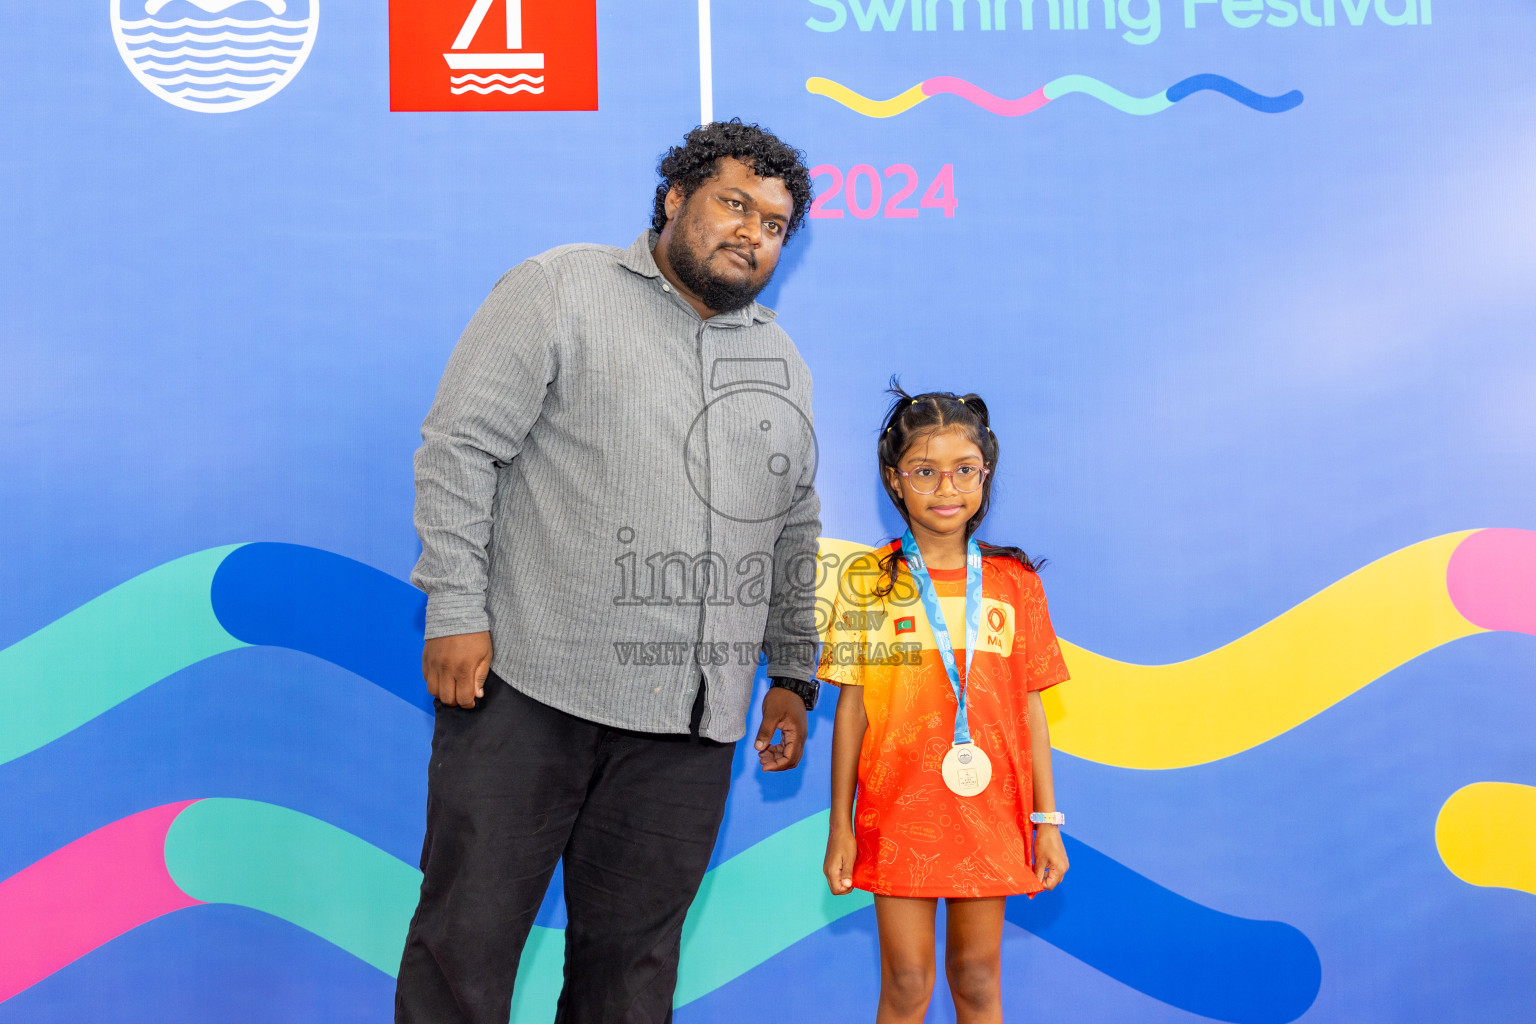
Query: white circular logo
x,y
214,56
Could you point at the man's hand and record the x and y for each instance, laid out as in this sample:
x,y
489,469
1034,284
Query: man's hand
x,y
783,712
842,851
455,667
1050,856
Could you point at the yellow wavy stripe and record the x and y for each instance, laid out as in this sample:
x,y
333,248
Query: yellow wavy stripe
x,y
1267,682
840,93
1486,834
1260,685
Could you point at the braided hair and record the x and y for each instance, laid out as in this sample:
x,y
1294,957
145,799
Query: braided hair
x,y
908,420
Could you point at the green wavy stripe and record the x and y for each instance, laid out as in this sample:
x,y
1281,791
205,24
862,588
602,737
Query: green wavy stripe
x,y
109,649
1059,87
354,895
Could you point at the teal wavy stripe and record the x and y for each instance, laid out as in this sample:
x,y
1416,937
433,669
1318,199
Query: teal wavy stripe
x,y
354,895
540,974
109,649
719,944
1122,102
329,882
339,887
304,870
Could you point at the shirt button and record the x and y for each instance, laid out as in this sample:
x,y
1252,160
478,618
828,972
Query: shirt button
x,y
666,287
657,690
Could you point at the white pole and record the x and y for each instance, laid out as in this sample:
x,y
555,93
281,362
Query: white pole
x,y
706,67
514,24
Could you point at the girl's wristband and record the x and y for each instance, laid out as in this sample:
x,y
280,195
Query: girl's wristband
x,y
1047,818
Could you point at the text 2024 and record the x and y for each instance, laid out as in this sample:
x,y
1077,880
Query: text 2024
x,y
863,188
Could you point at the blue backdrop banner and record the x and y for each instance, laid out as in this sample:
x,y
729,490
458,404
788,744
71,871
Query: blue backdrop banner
x,y
1249,286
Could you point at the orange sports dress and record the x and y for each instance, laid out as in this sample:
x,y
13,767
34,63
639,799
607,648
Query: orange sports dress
x,y
916,837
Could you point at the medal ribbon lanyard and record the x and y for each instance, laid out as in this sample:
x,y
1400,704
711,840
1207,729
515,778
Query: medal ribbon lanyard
x,y
930,596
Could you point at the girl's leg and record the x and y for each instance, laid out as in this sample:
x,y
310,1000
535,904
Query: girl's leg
x,y
973,958
906,958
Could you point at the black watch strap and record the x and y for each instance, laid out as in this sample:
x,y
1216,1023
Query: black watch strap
x,y
806,689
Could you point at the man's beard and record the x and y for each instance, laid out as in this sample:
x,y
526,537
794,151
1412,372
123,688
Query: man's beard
x,y
722,295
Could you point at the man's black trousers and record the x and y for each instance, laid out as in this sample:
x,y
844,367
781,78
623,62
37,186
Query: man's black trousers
x,y
514,786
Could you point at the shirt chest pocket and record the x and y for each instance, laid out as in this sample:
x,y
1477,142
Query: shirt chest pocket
x,y
751,453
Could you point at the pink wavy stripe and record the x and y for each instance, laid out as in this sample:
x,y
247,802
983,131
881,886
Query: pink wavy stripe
x,y
1492,580
84,895
985,100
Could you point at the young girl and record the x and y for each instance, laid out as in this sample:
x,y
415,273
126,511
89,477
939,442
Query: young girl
x,y
941,646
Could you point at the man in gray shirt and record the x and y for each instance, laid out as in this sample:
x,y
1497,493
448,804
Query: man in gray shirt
x,y
617,516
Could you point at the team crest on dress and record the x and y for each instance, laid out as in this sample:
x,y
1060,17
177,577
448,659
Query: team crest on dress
x,y
214,56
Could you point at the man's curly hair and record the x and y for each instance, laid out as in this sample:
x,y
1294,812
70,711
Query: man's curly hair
x,y
690,165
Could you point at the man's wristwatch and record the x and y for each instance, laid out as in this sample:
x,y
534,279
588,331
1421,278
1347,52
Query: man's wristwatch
x,y
806,689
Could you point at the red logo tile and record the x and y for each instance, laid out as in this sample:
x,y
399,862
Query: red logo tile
x,y
493,55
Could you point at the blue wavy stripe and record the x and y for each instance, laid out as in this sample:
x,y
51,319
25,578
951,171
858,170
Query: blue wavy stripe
x,y
1171,948
369,623
1121,923
305,599
1242,94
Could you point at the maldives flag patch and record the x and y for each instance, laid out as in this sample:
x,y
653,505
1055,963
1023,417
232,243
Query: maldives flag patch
x,y
906,625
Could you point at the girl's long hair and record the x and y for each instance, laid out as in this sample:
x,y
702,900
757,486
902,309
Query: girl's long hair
x,y
909,418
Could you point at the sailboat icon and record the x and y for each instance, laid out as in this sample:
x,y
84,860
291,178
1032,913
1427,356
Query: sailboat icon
x,y
513,59
214,56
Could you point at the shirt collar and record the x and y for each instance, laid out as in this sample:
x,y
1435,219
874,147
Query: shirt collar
x,y
639,259
638,256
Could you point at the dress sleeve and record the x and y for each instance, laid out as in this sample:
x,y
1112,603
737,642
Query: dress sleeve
x,y
1036,656
858,645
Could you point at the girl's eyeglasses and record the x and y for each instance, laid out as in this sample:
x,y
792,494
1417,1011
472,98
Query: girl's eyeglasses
x,y
926,480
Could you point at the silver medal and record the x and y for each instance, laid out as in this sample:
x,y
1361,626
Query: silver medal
x,y
966,769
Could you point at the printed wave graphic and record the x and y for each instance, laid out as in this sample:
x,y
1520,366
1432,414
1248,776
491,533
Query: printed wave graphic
x,y
214,37
487,79
1255,688
150,24
352,894
188,62
154,7
1053,90
485,84
459,90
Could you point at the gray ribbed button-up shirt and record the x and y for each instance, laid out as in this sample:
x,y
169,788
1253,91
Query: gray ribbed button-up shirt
x,y
622,493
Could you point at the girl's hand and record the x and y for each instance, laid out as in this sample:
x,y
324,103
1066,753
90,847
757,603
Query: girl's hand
x,y
838,867
1050,856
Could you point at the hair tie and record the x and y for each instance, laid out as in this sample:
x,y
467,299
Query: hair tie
x,y
962,401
